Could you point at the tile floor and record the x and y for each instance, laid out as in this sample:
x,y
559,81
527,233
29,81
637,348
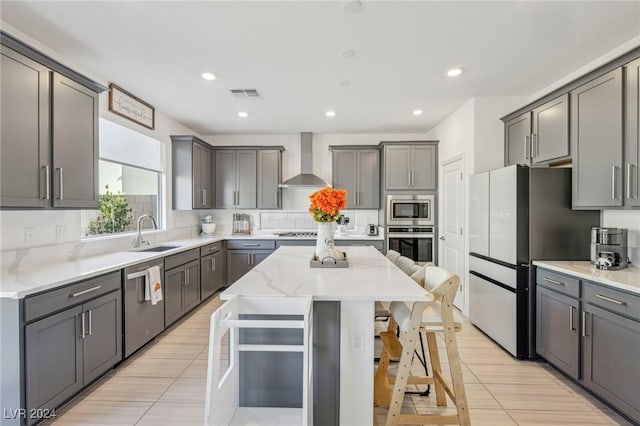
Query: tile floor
x,y
164,384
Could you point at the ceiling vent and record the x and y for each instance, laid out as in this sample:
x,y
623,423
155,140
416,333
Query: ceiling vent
x,y
246,93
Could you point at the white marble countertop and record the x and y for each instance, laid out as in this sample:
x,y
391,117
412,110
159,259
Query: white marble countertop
x,y
23,282
625,279
369,277
267,236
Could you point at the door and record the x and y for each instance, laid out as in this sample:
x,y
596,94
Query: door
x,y
225,172
191,288
220,269
503,208
596,141
268,179
207,277
24,127
479,213
344,175
517,140
610,346
246,179
557,338
173,282
202,179
103,342
75,144
632,145
368,179
550,130
397,167
238,264
53,369
452,241
258,256
423,167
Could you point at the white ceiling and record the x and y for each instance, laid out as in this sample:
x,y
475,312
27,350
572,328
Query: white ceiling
x,y
290,52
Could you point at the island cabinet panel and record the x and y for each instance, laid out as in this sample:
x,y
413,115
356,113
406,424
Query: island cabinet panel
x,y
632,133
25,159
557,336
517,133
550,131
610,346
596,142
65,350
75,144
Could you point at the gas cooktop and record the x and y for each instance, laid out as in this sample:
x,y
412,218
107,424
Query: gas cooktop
x,y
297,234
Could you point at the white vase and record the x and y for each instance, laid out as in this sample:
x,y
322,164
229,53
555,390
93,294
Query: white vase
x,y
325,246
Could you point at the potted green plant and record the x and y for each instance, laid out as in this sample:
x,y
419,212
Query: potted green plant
x,y
115,214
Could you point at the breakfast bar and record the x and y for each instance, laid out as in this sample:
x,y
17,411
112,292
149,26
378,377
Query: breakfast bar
x,y
343,320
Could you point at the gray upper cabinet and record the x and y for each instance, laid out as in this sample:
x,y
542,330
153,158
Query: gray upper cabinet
x,y
632,143
236,176
49,153
596,142
358,171
517,136
75,144
550,134
269,177
192,174
24,124
410,166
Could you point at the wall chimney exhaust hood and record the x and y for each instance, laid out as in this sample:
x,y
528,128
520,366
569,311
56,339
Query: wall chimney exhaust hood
x,y
306,178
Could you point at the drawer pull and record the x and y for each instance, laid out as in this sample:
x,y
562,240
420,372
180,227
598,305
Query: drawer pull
x,y
608,299
549,280
89,290
251,245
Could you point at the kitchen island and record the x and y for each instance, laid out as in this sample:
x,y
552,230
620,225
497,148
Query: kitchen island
x,y
343,320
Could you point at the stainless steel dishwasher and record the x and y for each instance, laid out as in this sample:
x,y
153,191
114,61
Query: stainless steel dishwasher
x,y
142,320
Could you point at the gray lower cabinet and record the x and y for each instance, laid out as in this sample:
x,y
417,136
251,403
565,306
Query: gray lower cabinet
x,y
236,176
412,166
596,142
550,131
632,133
25,158
192,177
268,178
70,349
610,348
517,136
212,276
182,290
358,171
239,262
557,336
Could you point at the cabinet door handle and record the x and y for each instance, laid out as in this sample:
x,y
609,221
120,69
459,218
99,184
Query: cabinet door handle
x,y
584,324
89,290
609,299
409,177
614,186
186,277
526,148
90,322
248,258
204,197
61,184
213,264
549,280
47,182
83,325
535,146
571,325
413,178
629,180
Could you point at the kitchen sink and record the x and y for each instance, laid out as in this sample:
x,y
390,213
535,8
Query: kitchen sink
x,y
159,248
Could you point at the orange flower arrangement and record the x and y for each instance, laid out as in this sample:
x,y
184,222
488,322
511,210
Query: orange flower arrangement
x,y
326,204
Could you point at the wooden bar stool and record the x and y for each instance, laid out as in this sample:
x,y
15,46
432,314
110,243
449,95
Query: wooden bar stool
x,y
430,318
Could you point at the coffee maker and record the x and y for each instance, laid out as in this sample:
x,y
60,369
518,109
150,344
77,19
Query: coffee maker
x,y
609,248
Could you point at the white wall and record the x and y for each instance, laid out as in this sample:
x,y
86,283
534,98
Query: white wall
x,y
629,219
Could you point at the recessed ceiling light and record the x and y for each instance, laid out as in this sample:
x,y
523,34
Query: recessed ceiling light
x,y
352,6
348,54
417,112
454,72
208,76
330,113
243,114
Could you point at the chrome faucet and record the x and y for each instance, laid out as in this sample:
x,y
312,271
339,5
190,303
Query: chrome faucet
x,y
139,240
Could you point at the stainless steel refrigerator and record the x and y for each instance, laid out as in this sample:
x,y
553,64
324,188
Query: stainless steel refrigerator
x,y
516,215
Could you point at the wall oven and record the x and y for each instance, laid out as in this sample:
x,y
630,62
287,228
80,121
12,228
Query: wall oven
x,y
414,242
410,210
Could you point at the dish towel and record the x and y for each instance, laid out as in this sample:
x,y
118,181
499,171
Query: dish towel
x,y
153,285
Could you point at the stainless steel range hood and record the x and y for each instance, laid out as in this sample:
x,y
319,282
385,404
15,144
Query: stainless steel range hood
x,y
306,178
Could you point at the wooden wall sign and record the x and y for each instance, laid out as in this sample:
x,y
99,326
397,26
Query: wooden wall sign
x,y
131,107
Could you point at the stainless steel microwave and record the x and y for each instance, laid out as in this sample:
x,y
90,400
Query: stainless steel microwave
x,y
410,209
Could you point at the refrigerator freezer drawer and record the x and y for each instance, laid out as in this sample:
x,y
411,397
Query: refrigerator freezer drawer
x,y
493,310
506,276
